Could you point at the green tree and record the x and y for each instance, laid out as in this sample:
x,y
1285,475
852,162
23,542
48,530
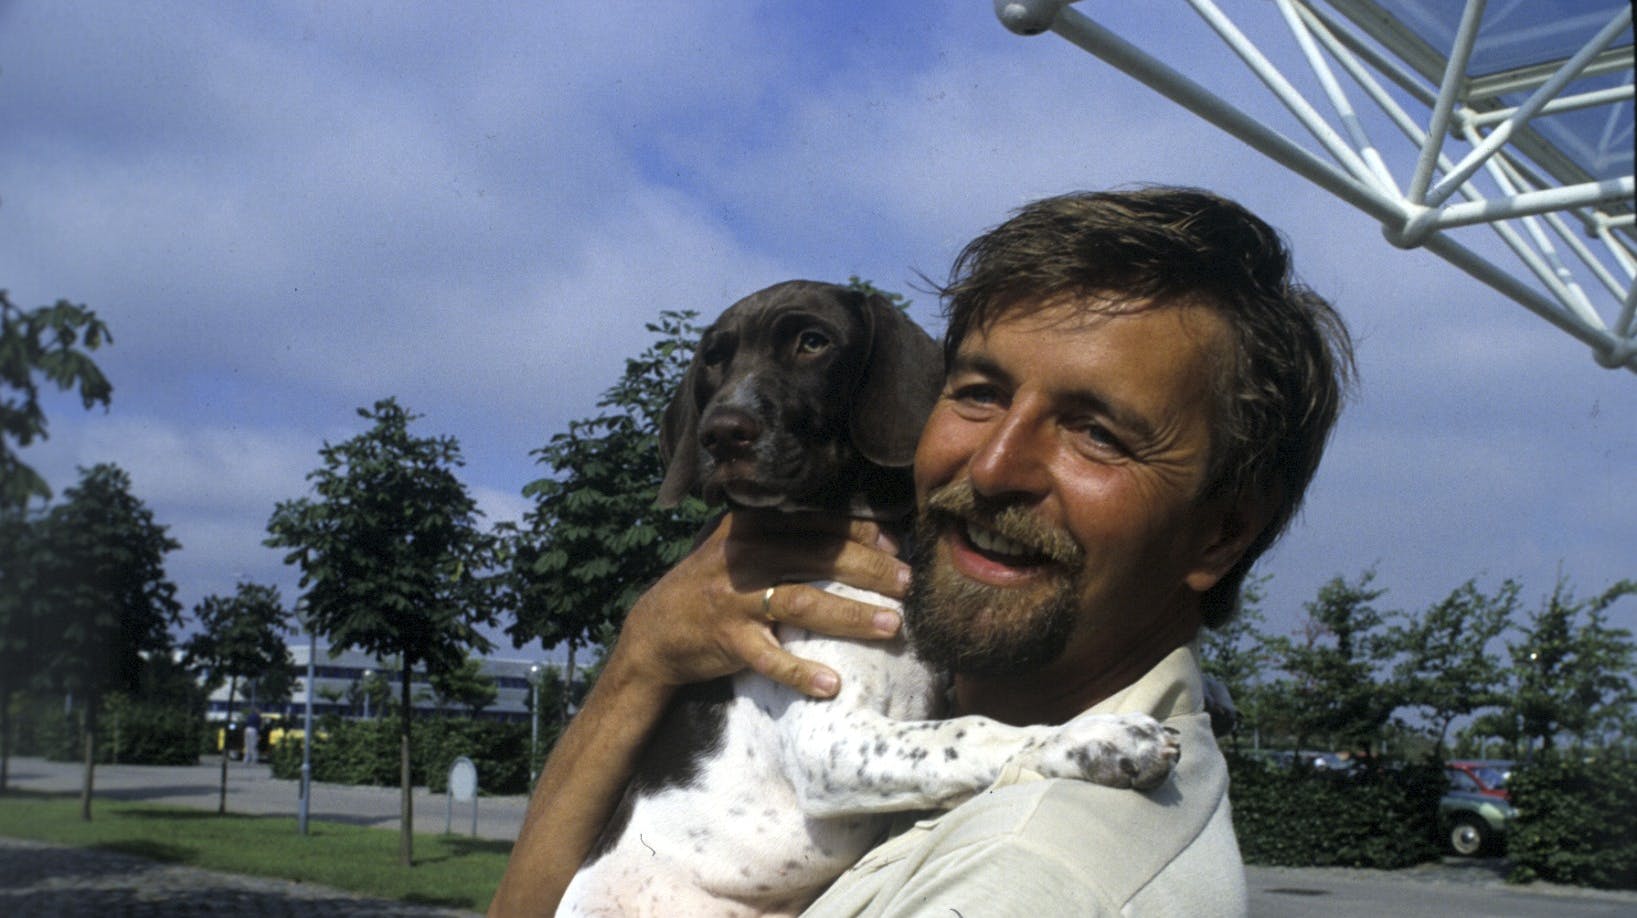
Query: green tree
x,y
594,538
465,686
1334,690
105,594
241,638
1571,670
854,282
52,341
392,559
1445,667
1236,655
20,619
370,696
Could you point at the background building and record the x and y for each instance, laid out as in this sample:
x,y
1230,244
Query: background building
x,y
338,686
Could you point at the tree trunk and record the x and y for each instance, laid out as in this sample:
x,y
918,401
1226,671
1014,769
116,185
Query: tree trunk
x,y
88,731
406,838
5,738
227,729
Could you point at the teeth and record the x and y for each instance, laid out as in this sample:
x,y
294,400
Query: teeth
x,y
995,542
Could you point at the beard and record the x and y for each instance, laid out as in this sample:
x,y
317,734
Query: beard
x,y
975,629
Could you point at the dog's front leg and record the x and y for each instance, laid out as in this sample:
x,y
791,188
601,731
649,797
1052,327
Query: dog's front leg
x,y
848,762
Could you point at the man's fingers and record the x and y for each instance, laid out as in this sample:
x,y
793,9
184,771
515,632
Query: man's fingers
x,y
809,607
766,657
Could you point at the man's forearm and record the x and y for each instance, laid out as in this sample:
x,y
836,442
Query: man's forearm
x,y
578,789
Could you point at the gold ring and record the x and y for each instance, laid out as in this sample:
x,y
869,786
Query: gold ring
x,y
767,602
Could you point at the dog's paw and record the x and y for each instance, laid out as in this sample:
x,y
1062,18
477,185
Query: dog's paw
x,y
1117,750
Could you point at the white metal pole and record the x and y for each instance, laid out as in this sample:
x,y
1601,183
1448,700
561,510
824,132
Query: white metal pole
x,y
307,733
534,721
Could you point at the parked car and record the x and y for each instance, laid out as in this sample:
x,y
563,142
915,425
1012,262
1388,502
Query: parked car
x,y
1480,776
1476,810
1318,761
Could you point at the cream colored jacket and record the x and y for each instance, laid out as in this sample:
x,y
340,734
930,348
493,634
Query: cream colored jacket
x,y
1040,848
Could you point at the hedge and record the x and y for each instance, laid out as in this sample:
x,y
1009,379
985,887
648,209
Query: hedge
x,y
1576,822
1302,817
128,732
144,733
366,752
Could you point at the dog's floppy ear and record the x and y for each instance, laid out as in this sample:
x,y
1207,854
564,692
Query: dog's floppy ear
x,y
678,435
903,374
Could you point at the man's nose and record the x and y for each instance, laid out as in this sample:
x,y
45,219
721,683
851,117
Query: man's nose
x,y
1013,458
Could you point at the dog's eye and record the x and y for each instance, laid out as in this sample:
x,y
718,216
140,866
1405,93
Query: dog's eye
x,y
811,342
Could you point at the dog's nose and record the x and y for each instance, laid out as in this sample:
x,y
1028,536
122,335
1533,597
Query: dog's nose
x,y
728,433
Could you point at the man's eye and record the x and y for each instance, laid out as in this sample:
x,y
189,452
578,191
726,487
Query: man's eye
x,y
811,342
976,394
1102,438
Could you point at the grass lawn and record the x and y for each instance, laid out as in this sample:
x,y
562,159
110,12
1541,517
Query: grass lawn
x,y
453,871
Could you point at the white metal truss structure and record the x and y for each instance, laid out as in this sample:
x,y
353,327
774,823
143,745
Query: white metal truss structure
x,y
1522,121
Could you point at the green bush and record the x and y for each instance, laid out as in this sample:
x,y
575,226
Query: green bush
x,y
347,752
1576,822
1306,818
366,752
500,751
144,733
42,729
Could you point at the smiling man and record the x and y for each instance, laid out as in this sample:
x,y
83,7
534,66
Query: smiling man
x,y
1137,395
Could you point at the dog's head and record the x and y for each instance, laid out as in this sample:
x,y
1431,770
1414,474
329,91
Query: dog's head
x,y
804,395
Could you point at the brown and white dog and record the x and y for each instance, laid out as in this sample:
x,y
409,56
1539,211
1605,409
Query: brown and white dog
x,y
752,798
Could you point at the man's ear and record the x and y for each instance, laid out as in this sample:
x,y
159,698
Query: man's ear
x,y
1239,522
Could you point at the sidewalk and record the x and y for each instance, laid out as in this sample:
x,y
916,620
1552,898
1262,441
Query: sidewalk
x,y
67,879
251,789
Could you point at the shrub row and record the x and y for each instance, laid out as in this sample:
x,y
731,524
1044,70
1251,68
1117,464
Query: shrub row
x,y
1299,817
1576,823
144,733
366,752
128,732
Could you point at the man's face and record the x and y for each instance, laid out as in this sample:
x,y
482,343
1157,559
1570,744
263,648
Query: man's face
x,y
1057,478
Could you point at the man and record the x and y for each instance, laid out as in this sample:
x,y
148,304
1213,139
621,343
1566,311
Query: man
x,y
252,738
1137,396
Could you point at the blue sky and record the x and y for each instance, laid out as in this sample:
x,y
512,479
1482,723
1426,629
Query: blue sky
x,y
287,211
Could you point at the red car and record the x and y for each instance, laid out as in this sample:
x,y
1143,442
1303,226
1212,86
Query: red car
x,y
1480,776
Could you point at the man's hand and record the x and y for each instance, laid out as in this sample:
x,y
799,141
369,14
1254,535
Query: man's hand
x,y
711,615
702,620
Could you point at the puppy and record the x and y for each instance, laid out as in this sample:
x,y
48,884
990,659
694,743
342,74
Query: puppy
x,y
752,798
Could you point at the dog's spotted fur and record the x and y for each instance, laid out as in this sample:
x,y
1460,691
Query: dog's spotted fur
x,y
752,798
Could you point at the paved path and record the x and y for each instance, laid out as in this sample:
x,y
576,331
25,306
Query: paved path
x,y
50,880
45,880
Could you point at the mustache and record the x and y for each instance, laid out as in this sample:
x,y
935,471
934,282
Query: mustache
x,y
958,501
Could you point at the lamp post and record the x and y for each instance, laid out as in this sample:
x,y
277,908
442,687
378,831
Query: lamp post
x,y
367,674
534,722
307,731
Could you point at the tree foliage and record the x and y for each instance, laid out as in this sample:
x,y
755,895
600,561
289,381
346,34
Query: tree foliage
x,y
103,594
391,555
21,618
1572,670
1237,655
241,638
594,539
1333,690
52,342
465,686
1446,668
